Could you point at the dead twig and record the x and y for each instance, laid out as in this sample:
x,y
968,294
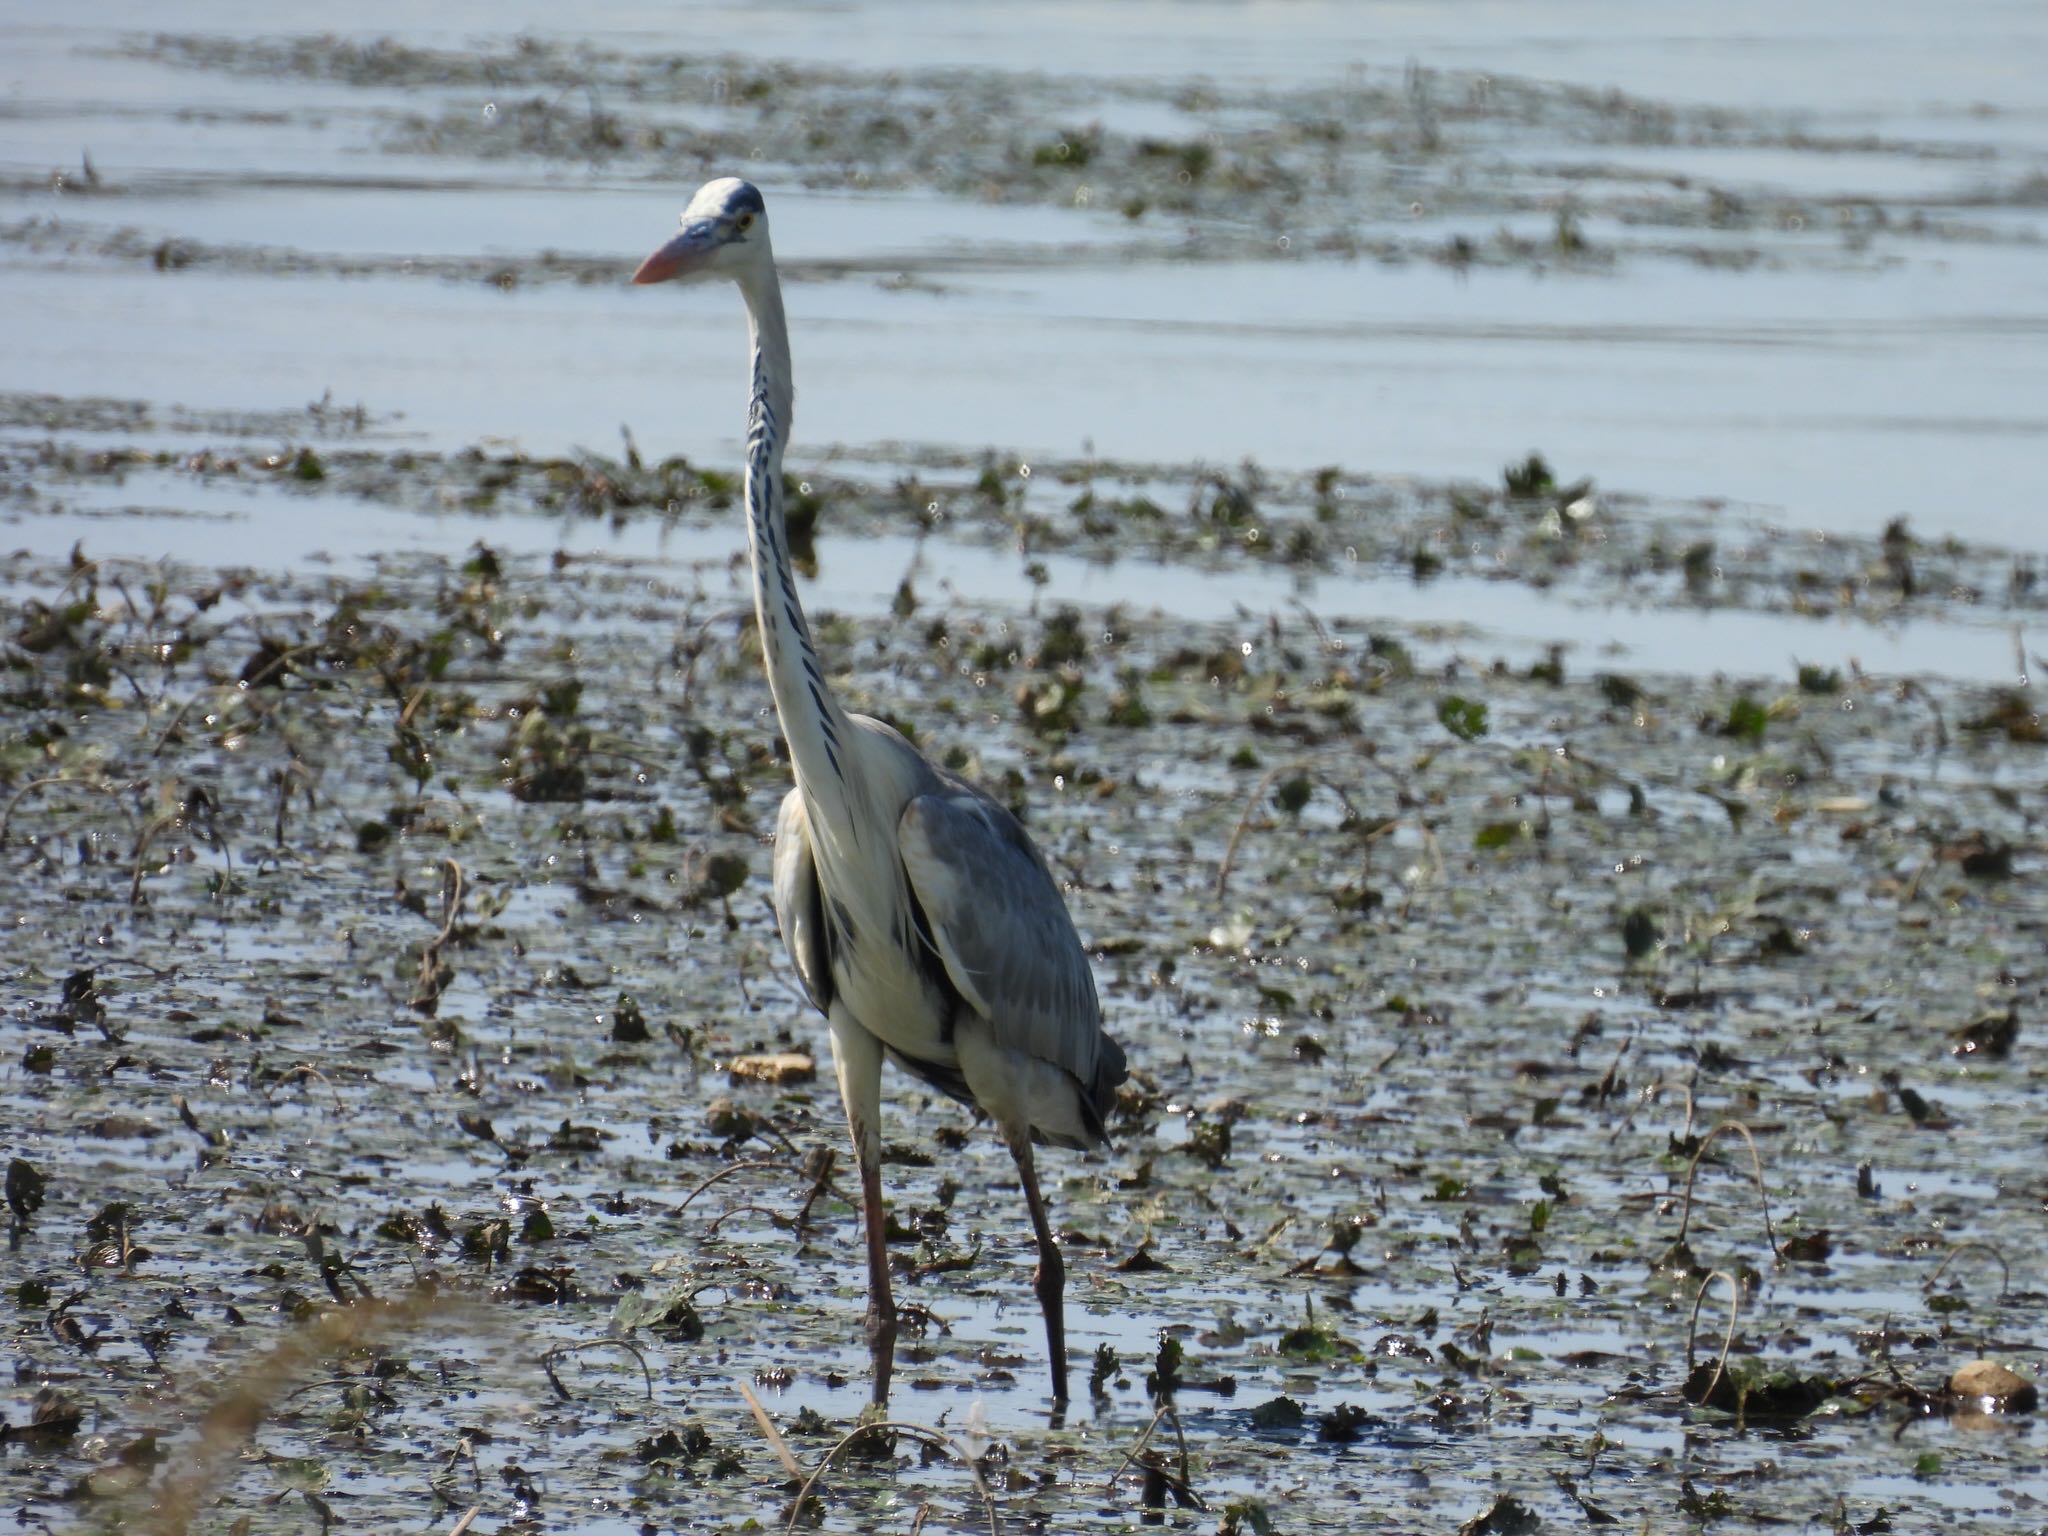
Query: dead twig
x,y
774,1436
344,1382
730,1211
728,1172
143,839
2004,1269
293,772
249,1397
241,688
1654,1094
1184,1484
1251,804
434,973
547,1363
1756,1164
698,643
1909,689
304,1069
916,1432
1187,1476
15,799
1727,1338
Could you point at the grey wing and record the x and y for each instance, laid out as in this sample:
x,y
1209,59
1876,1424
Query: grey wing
x,y
998,926
799,905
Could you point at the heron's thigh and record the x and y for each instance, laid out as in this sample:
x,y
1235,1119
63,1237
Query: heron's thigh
x,y
1019,1092
857,1059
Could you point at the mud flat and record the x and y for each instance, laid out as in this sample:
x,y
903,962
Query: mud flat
x,y
389,925
1576,915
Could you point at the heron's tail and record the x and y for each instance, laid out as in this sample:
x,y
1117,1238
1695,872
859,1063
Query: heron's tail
x,y
1110,1071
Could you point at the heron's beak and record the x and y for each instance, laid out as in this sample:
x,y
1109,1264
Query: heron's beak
x,y
685,256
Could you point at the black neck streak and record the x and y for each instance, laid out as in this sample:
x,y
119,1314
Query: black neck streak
x,y
810,718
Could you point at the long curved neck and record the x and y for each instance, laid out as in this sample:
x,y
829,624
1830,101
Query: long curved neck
x,y
812,720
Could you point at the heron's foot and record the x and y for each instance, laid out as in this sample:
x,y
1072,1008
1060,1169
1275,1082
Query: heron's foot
x,y
1050,1284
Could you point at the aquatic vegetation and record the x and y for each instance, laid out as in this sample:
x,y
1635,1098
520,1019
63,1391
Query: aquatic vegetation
x,y
516,874
417,1127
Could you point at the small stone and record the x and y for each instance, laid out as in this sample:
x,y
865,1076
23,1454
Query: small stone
x,y
779,1069
1989,1387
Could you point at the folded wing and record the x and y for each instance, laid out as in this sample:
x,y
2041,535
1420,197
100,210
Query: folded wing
x,y
799,908
997,924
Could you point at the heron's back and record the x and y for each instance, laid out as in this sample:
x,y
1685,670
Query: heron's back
x,y
933,909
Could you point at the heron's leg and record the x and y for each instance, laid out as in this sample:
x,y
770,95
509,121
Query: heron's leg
x,y
857,1057
881,1304
1051,1280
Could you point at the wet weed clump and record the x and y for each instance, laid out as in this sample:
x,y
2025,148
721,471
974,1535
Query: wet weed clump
x,y
1215,172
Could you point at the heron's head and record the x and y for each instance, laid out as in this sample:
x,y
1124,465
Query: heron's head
x,y
724,234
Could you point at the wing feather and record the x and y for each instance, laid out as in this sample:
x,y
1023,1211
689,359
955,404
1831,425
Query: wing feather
x,y
1000,929
799,903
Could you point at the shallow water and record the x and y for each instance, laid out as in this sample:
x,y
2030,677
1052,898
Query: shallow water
x,y
1460,1029
1784,291
1842,383
1485,619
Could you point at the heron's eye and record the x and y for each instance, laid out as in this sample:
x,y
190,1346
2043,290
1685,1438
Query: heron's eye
x,y
743,223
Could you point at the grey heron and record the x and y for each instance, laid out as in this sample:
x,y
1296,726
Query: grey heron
x,y
922,921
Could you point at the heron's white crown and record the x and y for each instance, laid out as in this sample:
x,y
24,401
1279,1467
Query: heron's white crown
x,y
724,234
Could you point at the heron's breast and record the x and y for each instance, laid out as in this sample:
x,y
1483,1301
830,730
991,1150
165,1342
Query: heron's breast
x,y
880,971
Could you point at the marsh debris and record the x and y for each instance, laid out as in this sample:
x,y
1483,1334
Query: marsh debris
x,y
1985,1386
1990,1035
537,1049
777,1069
